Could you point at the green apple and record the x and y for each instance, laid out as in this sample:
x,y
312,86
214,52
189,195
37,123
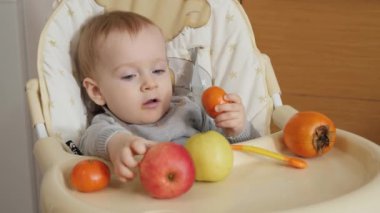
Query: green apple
x,y
212,155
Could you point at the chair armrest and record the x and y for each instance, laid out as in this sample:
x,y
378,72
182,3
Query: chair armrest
x,y
49,152
32,89
35,109
282,114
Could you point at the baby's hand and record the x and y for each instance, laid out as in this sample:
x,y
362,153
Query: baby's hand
x,y
232,116
121,149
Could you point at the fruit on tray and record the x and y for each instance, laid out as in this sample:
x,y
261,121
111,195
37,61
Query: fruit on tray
x,y
167,170
309,134
90,175
211,97
212,155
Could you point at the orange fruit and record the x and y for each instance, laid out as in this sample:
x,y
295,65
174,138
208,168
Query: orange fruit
x,y
90,175
309,134
212,97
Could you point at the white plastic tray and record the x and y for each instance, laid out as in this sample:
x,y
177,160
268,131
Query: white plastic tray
x,y
344,180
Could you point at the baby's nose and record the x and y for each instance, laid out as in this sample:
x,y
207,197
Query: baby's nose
x,y
149,84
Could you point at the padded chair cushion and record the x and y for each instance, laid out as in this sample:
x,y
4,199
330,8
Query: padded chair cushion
x,y
63,109
226,50
221,53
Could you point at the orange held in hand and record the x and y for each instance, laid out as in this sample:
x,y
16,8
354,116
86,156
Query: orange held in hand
x,y
309,134
211,97
90,175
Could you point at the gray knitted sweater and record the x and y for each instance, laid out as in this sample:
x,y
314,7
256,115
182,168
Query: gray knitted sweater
x,y
184,119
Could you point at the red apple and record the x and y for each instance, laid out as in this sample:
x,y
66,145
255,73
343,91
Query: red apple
x,y
167,170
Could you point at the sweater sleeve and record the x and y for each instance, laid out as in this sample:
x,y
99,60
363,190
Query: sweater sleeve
x,y
247,134
94,140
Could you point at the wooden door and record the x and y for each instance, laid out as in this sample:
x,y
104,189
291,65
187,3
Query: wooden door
x,y
326,55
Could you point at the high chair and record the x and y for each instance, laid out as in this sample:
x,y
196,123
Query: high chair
x,y
209,42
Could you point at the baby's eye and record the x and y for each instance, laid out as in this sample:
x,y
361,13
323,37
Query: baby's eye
x,y
128,77
159,71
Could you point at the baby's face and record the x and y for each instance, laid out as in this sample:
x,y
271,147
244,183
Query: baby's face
x,y
132,75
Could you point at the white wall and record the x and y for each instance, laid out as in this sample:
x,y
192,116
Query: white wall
x,y
36,12
21,22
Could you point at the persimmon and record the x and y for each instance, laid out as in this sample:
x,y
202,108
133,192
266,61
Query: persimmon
x,y
309,134
211,97
90,175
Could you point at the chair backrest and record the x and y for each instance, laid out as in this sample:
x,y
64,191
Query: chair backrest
x,y
212,44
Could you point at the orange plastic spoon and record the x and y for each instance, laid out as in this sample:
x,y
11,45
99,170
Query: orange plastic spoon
x,y
294,162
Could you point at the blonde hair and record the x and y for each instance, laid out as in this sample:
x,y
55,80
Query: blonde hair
x,y
96,28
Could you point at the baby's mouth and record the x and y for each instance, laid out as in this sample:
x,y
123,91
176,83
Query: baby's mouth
x,y
151,103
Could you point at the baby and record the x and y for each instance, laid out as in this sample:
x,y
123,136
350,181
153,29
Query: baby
x,y
122,65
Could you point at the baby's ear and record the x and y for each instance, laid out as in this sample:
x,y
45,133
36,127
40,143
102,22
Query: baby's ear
x,y
93,91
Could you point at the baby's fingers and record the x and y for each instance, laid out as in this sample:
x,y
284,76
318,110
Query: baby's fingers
x,y
124,164
127,159
228,124
227,116
229,107
140,147
233,98
124,173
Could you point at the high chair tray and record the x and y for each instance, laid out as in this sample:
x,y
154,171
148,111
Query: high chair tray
x,y
344,180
